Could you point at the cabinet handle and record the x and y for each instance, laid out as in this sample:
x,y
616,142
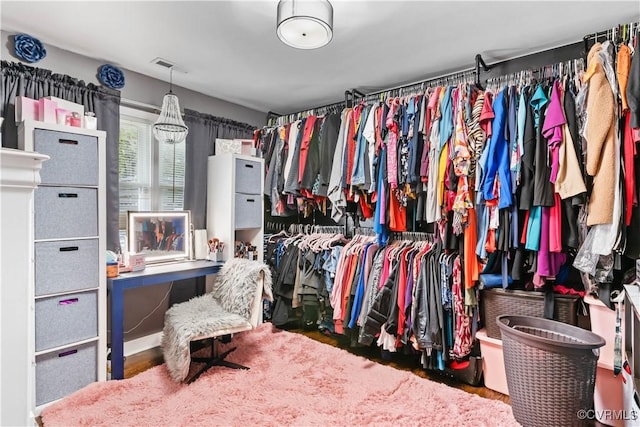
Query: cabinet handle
x,y
69,249
68,195
68,301
68,141
247,165
251,200
68,353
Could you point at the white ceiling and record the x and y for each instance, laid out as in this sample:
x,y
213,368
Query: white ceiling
x,y
229,49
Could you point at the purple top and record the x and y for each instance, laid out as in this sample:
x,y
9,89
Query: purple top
x,y
552,128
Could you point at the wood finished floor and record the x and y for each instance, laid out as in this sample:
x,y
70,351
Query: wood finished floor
x,y
140,362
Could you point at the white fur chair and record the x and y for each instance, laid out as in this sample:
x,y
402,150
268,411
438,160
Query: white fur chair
x,y
233,305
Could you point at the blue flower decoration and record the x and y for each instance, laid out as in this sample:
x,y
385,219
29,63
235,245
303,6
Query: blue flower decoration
x,y
111,76
28,48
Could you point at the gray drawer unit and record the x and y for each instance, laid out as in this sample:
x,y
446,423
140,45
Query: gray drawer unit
x,y
248,175
67,265
74,158
62,372
65,212
66,319
248,212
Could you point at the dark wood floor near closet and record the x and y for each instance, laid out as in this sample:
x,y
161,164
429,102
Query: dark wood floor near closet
x,y
142,361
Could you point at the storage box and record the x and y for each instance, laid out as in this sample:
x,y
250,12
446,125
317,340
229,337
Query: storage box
x,y
60,373
26,108
136,262
224,146
603,323
246,147
493,370
68,105
608,396
496,302
47,110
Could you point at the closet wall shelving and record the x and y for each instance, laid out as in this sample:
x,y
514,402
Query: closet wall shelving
x,y
66,313
537,64
234,201
534,61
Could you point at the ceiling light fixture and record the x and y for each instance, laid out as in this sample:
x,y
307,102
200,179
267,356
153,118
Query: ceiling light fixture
x,y
305,24
170,127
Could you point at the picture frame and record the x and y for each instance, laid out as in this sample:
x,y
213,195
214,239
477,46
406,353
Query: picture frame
x,y
161,236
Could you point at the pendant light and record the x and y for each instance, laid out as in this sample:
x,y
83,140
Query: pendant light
x,y
170,127
305,24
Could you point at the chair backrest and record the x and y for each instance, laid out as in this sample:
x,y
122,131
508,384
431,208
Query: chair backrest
x,y
240,286
256,307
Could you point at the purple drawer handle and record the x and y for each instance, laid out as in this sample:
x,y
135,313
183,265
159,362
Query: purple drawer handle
x,y
68,301
248,166
67,353
69,249
68,195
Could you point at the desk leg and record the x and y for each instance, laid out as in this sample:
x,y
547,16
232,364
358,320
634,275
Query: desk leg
x,y
117,334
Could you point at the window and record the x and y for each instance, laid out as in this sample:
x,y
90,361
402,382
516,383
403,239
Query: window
x,y
151,173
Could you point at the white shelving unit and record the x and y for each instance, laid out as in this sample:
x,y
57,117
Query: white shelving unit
x,y
234,201
632,330
67,303
19,177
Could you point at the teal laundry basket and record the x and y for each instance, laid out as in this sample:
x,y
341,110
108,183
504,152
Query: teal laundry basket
x,y
551,370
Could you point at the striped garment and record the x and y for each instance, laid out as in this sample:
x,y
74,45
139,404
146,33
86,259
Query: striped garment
x,y
475,135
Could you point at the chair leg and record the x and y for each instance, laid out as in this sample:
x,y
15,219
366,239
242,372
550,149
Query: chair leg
x,y
214,361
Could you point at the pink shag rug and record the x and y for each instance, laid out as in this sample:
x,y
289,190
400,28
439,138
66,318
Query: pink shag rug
x,y
293,381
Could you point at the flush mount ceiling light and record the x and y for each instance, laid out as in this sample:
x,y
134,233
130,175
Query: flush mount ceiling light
x,y
305,24
170,127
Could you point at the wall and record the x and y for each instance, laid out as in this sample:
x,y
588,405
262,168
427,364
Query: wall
x,y
153,301
138,87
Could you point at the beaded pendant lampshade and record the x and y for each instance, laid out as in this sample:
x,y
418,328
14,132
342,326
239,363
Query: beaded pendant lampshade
x,y
170,127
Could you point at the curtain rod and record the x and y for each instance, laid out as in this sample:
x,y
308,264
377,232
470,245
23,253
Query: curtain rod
x,y
139,105
420,82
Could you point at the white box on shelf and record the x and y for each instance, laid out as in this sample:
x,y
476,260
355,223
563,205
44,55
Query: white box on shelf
x,y
68,105
228,146
246,147
26,108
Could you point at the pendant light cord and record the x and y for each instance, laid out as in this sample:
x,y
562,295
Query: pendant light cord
x,y
171,80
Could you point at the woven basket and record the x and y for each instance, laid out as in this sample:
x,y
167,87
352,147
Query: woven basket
x,y
551,370
497,302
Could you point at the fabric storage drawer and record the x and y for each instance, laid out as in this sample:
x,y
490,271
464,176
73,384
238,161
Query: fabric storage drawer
x,y
248,212
63,212
65,266
73,157
62,372
496,302
248,175
66,319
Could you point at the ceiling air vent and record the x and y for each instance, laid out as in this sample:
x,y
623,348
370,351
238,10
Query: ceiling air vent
x,y
165,63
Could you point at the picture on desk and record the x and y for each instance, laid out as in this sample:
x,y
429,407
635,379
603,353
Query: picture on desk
x,y
160,236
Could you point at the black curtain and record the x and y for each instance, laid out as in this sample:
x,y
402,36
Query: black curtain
x,y
203,131
22,80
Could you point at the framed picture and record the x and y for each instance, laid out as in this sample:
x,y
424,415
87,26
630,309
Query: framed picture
x,y
160,236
